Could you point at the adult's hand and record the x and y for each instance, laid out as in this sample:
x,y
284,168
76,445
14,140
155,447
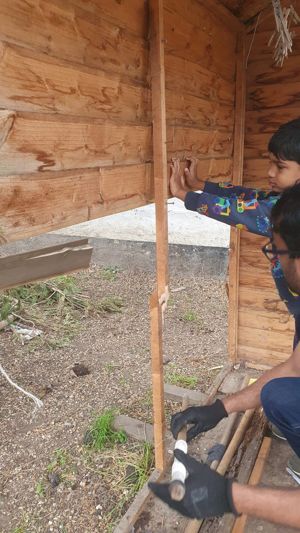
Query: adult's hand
x,y
207,494
202,419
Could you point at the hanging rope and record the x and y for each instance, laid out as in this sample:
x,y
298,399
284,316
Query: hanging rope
x,y
283,36
37,401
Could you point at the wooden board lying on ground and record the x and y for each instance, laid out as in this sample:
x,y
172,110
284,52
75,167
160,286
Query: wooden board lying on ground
x,y
44,263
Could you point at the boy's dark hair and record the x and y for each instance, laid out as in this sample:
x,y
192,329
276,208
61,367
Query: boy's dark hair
x,y
285,219
285,143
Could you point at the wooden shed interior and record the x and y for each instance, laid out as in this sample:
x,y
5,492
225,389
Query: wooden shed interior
x,y
97,95
76,122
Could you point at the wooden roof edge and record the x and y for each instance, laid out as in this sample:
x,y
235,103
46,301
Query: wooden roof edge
x,y
222,12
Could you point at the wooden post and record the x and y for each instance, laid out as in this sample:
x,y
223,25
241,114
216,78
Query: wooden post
x,y
157,382
159,145
237,178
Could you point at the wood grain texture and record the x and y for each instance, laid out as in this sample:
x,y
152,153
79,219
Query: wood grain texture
x,y
31,204
243,9
189,38
66,31
44,263
161,186
187,110
190,78
38,143
32,81
200,143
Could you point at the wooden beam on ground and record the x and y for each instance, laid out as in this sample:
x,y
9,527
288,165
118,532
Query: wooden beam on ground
x,y
134,428
172,392
157,382
237,177
255,478
137,506
213,389
159,144
252,443
44,263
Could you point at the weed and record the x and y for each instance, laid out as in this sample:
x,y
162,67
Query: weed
x,y
147,400
40,489
109,273
110,367
61,459
174,378
190,316
132,471
110,304
102,435
23,525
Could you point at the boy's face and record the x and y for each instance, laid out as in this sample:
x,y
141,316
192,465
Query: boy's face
x,y
282,174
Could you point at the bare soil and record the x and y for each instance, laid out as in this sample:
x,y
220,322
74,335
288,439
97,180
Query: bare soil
x,y
115,348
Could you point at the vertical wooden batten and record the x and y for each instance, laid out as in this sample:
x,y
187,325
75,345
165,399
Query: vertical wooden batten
x,y
157,382
159,297
159,143
237,179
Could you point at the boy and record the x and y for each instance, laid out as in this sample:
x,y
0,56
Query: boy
x,y
246,208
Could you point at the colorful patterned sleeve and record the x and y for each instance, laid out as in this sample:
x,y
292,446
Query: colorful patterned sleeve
x,y
249,213
228,190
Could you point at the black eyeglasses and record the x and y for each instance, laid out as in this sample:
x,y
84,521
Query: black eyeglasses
x,y
271,252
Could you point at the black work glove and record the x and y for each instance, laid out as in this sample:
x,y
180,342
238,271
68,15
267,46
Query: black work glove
x,y
207,494
203,418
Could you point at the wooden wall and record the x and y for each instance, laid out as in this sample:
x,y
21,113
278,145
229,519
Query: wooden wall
x,y
75,105
265,329
200,85
75,113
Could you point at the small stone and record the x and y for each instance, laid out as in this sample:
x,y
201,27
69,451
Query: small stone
x,y
166,360
54,479
80,370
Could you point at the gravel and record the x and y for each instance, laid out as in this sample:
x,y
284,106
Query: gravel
x,y
112,351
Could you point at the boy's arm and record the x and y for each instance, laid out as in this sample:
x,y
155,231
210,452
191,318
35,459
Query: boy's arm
x,y
252,215
225,189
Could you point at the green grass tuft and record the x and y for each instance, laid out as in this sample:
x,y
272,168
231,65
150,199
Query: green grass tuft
x,y
110,304
190,316
188,382
102,435
109,273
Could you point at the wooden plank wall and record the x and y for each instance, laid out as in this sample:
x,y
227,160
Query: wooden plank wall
x,y
273,94
75,112
200,85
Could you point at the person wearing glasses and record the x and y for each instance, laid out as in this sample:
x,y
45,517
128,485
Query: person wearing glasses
x,y
247,208
208,494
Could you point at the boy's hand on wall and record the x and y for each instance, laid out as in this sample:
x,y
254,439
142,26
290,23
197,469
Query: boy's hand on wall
x,y
190,175
178,186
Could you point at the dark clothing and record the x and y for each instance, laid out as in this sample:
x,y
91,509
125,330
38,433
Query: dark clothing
x,y
280,399
247,209
297,331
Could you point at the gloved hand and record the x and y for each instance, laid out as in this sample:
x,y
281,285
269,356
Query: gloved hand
x,y
207,494
202,418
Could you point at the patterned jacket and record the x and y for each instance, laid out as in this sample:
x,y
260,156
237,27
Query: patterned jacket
x,y
247,209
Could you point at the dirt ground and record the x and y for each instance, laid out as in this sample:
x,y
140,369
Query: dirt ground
x,y
86,496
